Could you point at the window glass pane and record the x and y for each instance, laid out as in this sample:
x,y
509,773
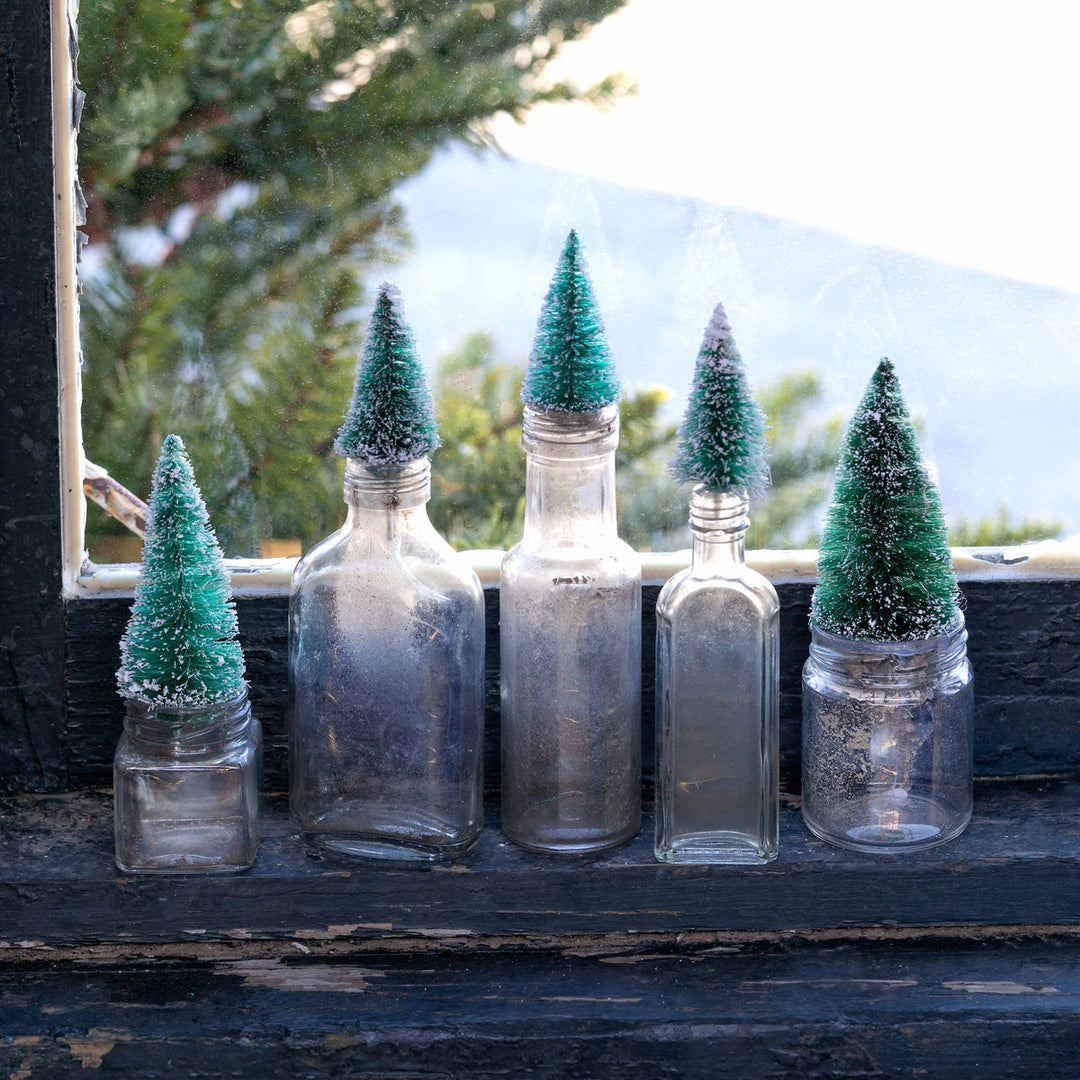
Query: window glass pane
x,y
851,181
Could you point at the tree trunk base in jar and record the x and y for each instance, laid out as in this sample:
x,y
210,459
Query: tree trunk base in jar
x,y
887,742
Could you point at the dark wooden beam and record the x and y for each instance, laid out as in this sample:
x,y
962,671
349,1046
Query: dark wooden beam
x,y
950,1009
1024,646
33,753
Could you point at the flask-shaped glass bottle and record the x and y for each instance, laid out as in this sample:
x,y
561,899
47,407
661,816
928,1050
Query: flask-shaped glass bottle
x,y
570,633
717,711
386,635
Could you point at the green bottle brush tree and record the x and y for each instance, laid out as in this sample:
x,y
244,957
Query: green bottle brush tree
x,y
884,571
391,417
180,648
722,437
570,366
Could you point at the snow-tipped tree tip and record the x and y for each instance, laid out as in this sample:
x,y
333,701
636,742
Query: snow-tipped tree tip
x,y
391,416
570,366
172,444
721,440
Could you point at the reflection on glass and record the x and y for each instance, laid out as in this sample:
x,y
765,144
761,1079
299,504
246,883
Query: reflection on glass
x,y
251,168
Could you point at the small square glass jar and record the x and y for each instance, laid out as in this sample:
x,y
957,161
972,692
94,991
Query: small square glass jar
x,y
186,788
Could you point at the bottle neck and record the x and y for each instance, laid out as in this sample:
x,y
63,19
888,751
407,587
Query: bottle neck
x,y
387,496
570,476
718,521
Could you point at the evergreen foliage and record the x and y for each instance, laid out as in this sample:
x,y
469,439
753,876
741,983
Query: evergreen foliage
x,y
722,438
239,162
180,648
570,367
885,572
391,418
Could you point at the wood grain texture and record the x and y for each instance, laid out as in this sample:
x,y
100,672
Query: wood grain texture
x,y
798,1010
1017,864
1024,646
33,755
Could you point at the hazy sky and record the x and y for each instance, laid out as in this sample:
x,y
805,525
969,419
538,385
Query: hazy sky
x,y
947,128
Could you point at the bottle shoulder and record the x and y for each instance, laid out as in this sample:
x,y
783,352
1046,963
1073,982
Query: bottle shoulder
x,y
689,594
349,557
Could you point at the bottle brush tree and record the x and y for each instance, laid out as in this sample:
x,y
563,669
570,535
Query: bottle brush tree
x,y
180,648
722,436
570,366
884,572
391,417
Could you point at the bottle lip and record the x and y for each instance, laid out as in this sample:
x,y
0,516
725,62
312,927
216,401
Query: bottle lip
x,y
562,427
390,482
720,513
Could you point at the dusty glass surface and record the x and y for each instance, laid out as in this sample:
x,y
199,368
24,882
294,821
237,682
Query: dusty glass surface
x,y
887,741
570,646
386,670
717,705
186,789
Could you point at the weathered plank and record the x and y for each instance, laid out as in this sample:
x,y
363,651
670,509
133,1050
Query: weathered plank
x,y
1024,646
33,755
950,1009
1018,864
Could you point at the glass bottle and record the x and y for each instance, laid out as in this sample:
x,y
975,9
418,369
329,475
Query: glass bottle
x,y
386,667
186,788
717,709
887,740
570,638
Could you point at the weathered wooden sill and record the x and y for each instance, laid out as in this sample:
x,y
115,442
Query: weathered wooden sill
x,y
1018,864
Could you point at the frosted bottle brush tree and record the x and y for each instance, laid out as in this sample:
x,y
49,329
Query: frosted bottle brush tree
x,y
186,771
180,648
884,572
717,791
386,637
391,418
887,691
722,436
570,367
570,596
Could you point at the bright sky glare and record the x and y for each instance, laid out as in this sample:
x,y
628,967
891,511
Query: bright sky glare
x,y
948,128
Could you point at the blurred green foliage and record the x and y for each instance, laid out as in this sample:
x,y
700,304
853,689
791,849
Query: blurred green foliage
x,y
238,159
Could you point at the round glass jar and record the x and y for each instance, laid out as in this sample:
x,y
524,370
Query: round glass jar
x,y
186,788
887,740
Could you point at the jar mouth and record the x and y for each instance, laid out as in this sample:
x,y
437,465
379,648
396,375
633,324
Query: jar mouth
x,y
889,658
187,726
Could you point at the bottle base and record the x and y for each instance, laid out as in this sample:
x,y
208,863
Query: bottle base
x,y
181,867
720,849
383,850
892,837
573,845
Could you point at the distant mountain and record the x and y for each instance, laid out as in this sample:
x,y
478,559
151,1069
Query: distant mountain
x,y
991,364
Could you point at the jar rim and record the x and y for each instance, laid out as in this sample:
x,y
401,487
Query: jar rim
x,y
903,646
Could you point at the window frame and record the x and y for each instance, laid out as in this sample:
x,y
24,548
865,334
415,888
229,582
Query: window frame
x,y
40,489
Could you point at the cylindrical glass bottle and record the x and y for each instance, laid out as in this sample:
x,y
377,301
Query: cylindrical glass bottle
x,y
717,712
570,635
186,788
386,666
887,740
